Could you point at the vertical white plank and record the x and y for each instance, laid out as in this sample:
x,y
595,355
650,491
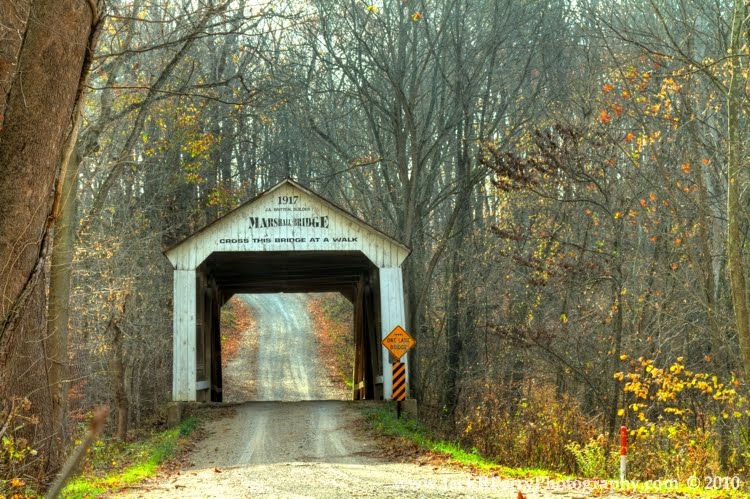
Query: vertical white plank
x,y
391,315
184,336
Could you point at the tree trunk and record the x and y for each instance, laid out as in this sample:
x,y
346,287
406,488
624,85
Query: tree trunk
x,y
59,298
42,70
118,381
617,333
454,343
456,310
736,179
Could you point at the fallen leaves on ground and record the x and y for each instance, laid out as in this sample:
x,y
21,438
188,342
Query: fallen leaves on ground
x,y
231,334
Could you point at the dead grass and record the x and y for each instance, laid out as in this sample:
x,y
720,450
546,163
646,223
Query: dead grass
x,y
333,331
236,320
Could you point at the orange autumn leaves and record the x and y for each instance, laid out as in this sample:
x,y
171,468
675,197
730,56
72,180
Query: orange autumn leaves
x,y
643,100
642,94
685,167
616,109
652,197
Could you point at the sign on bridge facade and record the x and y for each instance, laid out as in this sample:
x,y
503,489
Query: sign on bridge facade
x,y
287,239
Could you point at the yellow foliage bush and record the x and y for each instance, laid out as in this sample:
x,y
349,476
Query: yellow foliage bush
x,y
681,421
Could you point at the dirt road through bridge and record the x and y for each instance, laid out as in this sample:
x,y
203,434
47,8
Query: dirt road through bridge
x,y
288,366
278,360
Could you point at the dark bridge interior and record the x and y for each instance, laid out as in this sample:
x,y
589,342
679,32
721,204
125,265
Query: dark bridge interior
x,y
224,274
281,272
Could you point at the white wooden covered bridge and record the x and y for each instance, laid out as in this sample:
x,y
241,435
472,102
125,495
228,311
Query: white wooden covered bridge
x,y
287,239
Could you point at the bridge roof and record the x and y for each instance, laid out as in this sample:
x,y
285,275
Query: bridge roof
x,y
286,218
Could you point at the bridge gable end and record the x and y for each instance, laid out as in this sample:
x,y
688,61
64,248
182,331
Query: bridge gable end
x,y
287,218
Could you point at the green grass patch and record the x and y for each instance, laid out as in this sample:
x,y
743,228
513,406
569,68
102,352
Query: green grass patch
x,y
383,419
113,465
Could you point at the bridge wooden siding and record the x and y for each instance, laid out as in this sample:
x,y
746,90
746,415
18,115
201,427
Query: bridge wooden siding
x,y
382,250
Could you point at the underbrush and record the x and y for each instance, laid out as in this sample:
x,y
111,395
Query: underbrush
x,y
535,431
595,462
683,426
235,321
17,454
684,423
382,419
111,464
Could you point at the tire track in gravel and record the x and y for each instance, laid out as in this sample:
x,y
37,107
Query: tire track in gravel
x,y
288,365
278,358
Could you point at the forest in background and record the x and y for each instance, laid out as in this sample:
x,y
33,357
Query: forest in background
x,y
571,178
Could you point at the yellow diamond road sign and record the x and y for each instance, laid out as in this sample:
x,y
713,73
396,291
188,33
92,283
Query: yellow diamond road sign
x,y
398,342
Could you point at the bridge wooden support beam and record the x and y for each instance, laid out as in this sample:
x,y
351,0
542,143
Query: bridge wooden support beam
x,y
184,337
392,314
203,340
358,376
372,356
367,365
217,385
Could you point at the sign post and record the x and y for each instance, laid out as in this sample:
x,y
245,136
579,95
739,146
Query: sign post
x,y
399,385
398,343
623,452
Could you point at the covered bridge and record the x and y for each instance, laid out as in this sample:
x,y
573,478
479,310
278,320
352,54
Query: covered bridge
x,y
287,239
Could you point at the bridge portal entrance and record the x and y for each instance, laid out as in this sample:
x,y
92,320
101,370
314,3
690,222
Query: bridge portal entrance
x,y
287,239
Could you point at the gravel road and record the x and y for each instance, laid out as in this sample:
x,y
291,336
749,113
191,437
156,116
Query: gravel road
x,y
310,447
288,365
278,360
304,449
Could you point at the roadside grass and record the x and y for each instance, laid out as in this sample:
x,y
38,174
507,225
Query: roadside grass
x,y
382,419
113,464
